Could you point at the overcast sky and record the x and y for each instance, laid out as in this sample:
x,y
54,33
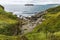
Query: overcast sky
x,y
30,1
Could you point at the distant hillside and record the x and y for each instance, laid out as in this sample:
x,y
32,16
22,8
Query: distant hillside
x,y
50,27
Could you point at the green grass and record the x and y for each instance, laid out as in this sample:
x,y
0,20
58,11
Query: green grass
x,y
52,21
51,26
4,37
36,36
7,25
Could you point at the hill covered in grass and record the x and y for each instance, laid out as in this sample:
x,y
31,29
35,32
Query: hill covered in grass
x,y
6,18
8,25
50,27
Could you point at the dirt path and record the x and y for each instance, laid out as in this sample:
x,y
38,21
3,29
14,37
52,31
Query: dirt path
x,y
30,25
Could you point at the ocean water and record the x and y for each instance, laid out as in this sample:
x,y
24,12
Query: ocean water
x,y
27,10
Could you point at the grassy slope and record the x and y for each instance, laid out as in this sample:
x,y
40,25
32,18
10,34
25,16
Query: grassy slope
x,y
51,25
6,20
7,17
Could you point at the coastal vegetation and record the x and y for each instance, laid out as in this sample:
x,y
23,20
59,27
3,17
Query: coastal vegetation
x,y
8,25
49,29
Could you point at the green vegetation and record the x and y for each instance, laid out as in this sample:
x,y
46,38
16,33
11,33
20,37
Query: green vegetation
x,y
3,37
8,25
50,27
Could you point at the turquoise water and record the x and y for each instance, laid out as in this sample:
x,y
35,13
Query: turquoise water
x,y
27,10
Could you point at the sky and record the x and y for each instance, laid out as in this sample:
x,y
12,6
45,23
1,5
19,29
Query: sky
x,y
30,2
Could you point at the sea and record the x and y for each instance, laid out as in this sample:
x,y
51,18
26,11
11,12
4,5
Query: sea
x,y
27,10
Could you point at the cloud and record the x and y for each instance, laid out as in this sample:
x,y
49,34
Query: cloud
x,y
14,1
30,1
46,1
